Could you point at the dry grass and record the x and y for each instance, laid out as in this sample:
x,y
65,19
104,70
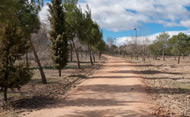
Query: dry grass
x,y
168,83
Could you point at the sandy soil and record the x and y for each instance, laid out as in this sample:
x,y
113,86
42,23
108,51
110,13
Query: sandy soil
x,y
114,90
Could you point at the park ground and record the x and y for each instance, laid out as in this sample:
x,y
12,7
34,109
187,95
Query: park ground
x,y
120,87
167,82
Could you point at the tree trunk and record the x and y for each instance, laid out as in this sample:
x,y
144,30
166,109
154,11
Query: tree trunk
x,y
38,62
78,62
90,52
163,52
71,51
99,53
5,94
179,58
59,72
93,56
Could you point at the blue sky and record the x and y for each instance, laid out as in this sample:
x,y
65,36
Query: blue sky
x,y
118,18
152,29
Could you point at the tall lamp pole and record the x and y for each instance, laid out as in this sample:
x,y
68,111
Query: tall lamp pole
x,y
136,43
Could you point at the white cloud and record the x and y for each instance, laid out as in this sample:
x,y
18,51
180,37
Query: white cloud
x,y
185,23
125,40
112,14
117,15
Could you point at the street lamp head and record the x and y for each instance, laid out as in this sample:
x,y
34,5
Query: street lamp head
x,y
135,29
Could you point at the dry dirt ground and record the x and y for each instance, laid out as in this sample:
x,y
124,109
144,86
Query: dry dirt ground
x,y
114,90
35,95
168,84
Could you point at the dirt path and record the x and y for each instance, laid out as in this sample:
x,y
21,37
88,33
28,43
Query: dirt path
x,y
114,90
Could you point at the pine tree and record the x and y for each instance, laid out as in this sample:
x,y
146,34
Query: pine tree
x,y
72,22
12,47
84,30
18,22
162,41
59,45
179,43
100,45
29,21
95,36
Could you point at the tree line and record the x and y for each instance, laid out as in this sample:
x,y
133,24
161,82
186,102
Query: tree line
x,y
177,45
68,24
163,45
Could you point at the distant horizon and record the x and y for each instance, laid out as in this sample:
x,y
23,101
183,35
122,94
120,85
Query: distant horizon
x,y
122,40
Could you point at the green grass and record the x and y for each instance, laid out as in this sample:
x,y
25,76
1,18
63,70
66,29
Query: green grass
x,y
185,87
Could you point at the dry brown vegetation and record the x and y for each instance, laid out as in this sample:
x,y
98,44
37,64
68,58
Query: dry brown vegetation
x,y
168,83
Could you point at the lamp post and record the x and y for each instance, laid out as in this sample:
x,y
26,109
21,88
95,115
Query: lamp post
x,y
136,44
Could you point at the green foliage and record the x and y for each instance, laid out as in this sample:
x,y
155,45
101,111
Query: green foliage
x,y
162,40
18,75
72,13
7,9
17,23
89,31
58,36
154,49
28,17
13,46
179,43
85,28
100,45
95,34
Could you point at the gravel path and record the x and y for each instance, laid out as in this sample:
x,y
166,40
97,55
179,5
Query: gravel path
x,y
114,90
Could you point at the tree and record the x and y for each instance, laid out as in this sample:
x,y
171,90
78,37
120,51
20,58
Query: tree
x,y
154,49
59,45
85,30
31,24
179,43
100,46
95,36
72,23
7,9
162,41
13,74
